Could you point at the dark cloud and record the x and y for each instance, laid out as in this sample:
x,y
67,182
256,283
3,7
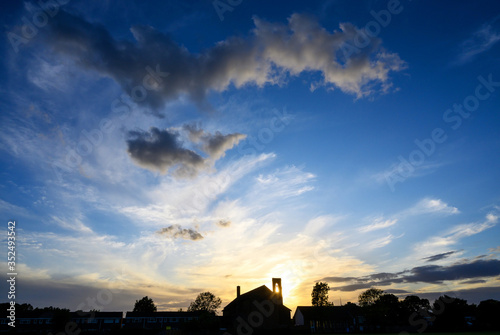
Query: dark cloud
x,y
437,274
438,257
357,286
269,55
396,291
434,274
223,223
176,231
161,150
383,276
474,281
338,279
473,296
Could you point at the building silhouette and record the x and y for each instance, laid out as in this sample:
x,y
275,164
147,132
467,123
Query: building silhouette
x,y
258,310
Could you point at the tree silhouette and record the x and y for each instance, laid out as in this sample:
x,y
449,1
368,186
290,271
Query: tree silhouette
x,y
144,305
319,295
369,297
205,302
450,313
488,312
414,304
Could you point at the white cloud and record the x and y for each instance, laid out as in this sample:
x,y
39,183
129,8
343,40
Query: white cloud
x,y
380,242
72,224
319,223
284,183
378,223
431,206
441,243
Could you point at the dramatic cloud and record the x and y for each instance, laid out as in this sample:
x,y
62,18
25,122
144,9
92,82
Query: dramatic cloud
x,y
434,274
160,150
437,274
156,69
176,231
438,257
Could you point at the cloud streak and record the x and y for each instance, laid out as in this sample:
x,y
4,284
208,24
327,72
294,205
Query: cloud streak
x,y
378,223
439,257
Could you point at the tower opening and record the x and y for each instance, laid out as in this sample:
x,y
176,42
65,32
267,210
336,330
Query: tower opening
x,y
277,290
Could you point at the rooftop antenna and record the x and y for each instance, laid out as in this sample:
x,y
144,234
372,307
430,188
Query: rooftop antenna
x,y
340,301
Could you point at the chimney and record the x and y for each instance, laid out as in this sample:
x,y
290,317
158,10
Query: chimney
x,y
237,291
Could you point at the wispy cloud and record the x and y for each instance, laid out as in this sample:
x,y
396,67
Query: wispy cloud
x,y
479,42
436,244
381,242
72,224
378,223
385,176
321,222
424,206
285,183
431,206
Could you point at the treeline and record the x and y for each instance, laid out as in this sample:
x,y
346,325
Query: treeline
x,y
386,311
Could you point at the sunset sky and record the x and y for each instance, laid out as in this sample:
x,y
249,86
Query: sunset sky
x,y
169,148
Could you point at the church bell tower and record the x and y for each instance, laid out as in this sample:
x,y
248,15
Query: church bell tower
x,y
278,291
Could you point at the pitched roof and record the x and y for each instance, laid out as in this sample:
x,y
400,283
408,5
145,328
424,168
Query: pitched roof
x,y
260,293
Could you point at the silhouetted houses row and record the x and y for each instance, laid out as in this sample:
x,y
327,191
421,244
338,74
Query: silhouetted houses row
x,y
43,321
258,311
328,319
40,321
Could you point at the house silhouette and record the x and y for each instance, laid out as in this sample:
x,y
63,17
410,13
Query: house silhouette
x,y
257,310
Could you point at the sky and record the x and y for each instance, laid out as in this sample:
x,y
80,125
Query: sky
x,y
170,148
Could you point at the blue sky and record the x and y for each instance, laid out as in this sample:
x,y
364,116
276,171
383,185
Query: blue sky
x,y
166,149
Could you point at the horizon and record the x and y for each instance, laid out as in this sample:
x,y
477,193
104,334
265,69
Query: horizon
x,y
221,308
167,149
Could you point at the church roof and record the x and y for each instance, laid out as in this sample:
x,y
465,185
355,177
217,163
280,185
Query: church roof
x,y
260,293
